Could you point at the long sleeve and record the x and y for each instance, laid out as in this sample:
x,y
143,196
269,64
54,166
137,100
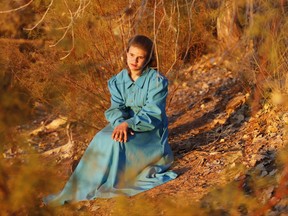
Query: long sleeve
x,y
152,114
118,112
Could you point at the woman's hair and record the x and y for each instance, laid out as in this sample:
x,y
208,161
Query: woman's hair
x,y
146,44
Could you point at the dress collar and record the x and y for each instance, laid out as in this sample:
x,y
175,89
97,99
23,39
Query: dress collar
x,y
139,82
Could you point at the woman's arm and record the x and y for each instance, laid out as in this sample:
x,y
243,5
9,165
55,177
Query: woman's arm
x,y
117,113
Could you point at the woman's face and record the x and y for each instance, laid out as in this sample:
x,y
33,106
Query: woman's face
x,y
136,59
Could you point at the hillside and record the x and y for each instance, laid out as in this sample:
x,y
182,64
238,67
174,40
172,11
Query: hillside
x,y
216,141
226,62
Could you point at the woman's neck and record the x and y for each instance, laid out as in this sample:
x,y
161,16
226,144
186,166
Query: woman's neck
x,y
134,75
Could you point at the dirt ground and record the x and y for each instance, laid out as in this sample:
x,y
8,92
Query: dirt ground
x,y
214,138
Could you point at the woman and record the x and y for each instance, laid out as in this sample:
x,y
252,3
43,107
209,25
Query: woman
x,y
131,154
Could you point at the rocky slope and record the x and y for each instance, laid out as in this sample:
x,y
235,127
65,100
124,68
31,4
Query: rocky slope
x,y
216,141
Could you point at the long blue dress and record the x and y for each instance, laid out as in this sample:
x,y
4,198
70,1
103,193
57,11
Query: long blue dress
x,y
109,168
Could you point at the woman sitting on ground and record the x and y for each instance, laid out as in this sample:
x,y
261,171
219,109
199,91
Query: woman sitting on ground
x,y
131,154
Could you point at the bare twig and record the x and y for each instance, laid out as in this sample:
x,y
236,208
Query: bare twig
x,y
190,27
177,38
79,12
70,26
43,17
156,31
16,9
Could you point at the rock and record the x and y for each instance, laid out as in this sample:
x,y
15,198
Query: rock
x,y
236,102
56,123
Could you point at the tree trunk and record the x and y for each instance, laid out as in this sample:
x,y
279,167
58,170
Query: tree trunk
x,y
228,32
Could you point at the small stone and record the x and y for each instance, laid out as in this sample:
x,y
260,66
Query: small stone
x,y
245,137
266,106
41,144
260,167
273,172
285,118
264,173
95,208
205,86
271,129
239,118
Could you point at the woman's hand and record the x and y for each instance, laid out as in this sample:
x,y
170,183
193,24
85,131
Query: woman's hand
x,y
120,132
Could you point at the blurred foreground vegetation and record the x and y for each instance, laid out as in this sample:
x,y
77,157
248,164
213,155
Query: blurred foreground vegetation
x,y
62,65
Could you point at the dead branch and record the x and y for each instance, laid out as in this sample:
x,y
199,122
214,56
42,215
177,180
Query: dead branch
x,y
16,9
65,150
42,18
56,123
